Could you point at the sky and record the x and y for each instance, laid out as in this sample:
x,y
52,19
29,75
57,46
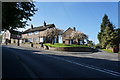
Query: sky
x,y
85,16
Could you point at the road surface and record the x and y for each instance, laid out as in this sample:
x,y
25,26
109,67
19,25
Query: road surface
x,y
37,64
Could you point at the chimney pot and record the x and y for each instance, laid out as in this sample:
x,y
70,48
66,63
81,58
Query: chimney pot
x,y
44,23
31,26
74,28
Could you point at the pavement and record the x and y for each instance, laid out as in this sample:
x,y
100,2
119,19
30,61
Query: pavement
x,y
24,62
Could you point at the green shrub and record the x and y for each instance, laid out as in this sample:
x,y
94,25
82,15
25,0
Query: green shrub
x,y
97,46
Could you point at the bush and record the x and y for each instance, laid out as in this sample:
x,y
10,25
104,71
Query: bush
x,y
108,46
98,46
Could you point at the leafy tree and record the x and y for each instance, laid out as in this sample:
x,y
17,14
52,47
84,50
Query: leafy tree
x,y
79,36
90,43
52,33
97,46
16,14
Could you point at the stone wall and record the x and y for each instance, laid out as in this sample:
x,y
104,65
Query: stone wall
x,y
36,45
25,45
15,44
71,49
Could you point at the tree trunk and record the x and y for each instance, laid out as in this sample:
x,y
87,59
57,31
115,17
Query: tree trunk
x,y
6,41
18,43
78,41
53,41
83,42
69,41
72,41
57,40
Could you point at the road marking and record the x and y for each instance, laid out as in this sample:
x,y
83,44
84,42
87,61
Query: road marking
x,y
88,66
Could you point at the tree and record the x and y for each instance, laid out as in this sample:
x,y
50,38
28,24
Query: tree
x,y
97,46
90,43
79,36
101,34
16,14
104,36
115,39
52,33
108,35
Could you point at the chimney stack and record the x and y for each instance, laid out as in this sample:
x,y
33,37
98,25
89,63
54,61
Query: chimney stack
x,y
31,26
74,28
44,23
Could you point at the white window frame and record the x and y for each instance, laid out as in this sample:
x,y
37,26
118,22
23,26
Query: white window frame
x,y
36,32
30,33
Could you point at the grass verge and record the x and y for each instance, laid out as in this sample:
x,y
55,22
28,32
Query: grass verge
x,y
64,45
107,50
110,51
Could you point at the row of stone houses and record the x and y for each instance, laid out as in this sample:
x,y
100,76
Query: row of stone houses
x,y
36,35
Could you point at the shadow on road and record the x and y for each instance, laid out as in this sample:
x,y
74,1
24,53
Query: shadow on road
x,y
102,63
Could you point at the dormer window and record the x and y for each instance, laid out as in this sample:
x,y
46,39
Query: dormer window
x,y
30,33
36,32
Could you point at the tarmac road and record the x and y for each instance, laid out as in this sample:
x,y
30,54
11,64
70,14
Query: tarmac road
x,y
38,64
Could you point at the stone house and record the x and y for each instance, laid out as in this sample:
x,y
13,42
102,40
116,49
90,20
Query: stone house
x,y
36,34
66,36
11,36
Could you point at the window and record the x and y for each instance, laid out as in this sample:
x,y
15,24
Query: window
x,y
30,40
36,32
64,35
67,35
35,39
30,33
41,39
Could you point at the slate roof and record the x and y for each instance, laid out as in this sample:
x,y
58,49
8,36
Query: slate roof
x,y
40,28
15,32
68,29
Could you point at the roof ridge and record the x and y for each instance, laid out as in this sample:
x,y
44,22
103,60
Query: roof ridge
x,y
39,28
